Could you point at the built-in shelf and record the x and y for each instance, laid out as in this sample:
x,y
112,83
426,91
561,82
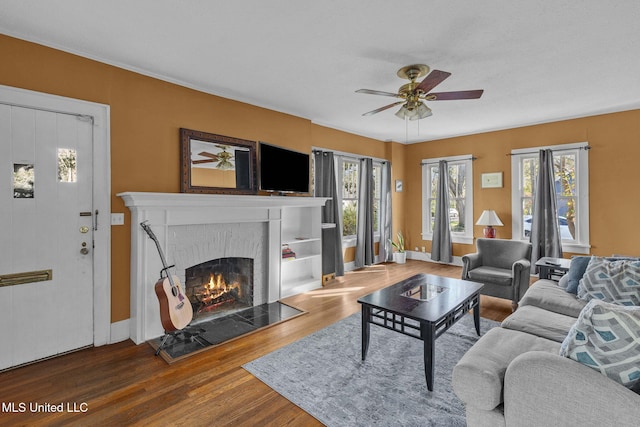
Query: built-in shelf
x,y
302,233
299,258
298,240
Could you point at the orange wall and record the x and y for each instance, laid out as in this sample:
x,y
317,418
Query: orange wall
x,y
146,115
614,176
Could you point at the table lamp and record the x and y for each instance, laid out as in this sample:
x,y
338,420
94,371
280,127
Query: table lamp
x,y
489,218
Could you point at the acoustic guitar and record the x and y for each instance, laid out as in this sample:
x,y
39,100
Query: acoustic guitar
x,y
175,309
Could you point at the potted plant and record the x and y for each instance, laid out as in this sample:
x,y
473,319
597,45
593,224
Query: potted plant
x,y
400,256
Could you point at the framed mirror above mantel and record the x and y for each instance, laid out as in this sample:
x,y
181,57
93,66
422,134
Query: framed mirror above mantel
x,y
216,164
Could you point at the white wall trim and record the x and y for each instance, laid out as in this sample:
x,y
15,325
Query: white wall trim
x,y
415,255
426,256
119,331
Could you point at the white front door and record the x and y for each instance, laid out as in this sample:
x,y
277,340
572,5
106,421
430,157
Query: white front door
x,y
47,221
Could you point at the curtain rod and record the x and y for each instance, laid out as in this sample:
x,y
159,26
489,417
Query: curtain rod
x,y
586,147
456,160
348,155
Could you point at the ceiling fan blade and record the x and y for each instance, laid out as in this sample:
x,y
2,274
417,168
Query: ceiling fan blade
x,y
432,80
205,154
197,162
386,107
462,94
377,92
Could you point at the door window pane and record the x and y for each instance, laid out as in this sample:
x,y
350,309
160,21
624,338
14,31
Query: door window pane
x,y
67,165
23,181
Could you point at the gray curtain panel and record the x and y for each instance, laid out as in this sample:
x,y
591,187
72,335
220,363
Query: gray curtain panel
x,y
325,186
441,249
385,249
364,234
545,232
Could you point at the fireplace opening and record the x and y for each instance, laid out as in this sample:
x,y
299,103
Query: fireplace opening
x,y
219,286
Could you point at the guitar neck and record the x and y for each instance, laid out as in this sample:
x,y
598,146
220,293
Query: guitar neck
x,y
162,258
153,237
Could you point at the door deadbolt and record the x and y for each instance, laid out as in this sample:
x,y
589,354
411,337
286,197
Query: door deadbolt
x,y
84,249
84,229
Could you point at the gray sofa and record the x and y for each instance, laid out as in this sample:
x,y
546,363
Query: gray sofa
x,y
514,375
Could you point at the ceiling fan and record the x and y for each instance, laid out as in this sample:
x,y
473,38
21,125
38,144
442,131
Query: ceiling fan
x,y
223,158
414,93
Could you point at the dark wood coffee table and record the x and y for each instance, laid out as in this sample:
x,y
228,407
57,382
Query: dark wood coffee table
x,y
424,307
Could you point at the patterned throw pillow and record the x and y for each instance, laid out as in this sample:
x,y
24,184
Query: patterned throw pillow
x,y
612,281
606,337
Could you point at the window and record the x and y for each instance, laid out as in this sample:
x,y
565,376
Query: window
x,y
377,194
67,165
460,197
349,187
348,181
23,181
570,165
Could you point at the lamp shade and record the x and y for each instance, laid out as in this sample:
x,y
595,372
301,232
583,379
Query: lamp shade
x,y
489,218
414,112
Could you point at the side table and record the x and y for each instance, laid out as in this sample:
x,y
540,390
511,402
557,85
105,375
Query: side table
x,y
552,268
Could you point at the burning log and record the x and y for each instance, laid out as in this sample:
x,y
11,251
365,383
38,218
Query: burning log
x,y
216,293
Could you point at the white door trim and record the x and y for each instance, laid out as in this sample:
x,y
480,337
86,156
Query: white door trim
x,y
101,191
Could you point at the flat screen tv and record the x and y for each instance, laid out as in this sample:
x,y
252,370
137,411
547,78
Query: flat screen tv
x,y
283,170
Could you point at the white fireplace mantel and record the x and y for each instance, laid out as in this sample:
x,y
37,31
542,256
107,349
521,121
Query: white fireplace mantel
x,y
186,200
169,210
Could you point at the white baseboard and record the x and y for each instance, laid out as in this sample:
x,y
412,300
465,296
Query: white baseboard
x,y
119,331
420,256
349,266
426,256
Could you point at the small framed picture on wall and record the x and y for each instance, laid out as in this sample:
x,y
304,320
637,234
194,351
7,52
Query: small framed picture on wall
x,y
492,180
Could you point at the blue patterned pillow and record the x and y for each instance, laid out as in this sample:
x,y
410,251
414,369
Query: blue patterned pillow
x,y
612,281
606,337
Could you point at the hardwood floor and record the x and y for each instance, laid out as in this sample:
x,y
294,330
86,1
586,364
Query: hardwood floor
x,y
125,384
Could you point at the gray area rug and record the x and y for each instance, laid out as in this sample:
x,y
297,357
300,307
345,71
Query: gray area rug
x,y
324,375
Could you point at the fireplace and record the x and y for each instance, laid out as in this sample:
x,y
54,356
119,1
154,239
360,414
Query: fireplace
x,y
220,286
196,228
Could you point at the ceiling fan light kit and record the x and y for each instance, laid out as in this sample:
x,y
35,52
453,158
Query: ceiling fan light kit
x,y
413,93
418,112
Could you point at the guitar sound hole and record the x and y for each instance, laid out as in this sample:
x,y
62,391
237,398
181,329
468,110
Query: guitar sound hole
x,y
174,291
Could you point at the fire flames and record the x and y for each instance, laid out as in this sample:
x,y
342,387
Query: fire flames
x,y
218,291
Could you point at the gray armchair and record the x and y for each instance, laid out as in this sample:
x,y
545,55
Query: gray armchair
x,y
503,266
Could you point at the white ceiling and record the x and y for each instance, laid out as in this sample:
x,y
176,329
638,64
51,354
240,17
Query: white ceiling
x,y
536,61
